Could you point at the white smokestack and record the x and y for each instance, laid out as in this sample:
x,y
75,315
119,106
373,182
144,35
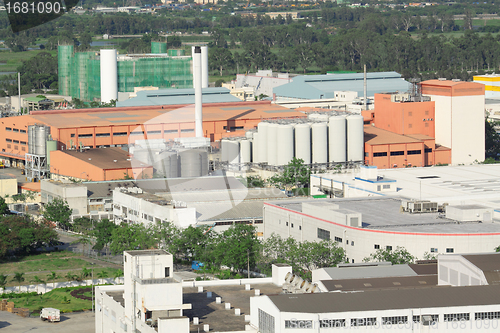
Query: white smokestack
x,y
204,66
197,79
109,76
194,76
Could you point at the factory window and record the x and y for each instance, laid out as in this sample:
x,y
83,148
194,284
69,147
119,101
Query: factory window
x,y
72,135
16,130
294,323
16,147
187,130
410,125
16,141
300,227
170,131
167,271
426,124
8,129
23,131
352,243
378,188
258,222
414,152
292,225
323,234
82,136
287,224
426,319
153,132
434,249
380,154
386,187
410,113
266,322
397,153
338,239
487,315
367,154
236,128
23,149
137,133
376,246
428,150
332,323
8,145
363,321
388,247
102,135
8,140
120,134
449,250
23,143
456,316
394,320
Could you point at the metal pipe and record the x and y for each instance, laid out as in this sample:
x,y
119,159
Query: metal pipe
x,y
364,86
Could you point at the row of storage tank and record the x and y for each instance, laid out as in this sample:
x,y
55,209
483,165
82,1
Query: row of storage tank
x,y
336,140
173,164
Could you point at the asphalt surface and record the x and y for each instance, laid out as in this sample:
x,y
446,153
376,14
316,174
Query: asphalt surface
x,y
81,322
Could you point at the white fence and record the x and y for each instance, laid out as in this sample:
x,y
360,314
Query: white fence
x,y
46,287
230,282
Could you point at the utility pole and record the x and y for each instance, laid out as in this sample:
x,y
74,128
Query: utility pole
x,y
248,263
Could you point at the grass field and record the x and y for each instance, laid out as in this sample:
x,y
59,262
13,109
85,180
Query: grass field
x,y
59,298
41,265
13,60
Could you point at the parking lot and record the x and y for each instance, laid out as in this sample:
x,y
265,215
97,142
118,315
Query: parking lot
x,y
82,322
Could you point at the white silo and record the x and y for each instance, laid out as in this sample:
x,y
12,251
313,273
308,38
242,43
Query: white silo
x,y
255,147
245,151
337,139
223,150
303,142
233,152
272,144
249,135
319,143
261,156
355,138
322,117
198,96
284,144
109,76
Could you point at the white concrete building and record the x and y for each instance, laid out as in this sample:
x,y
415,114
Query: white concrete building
x,y
73,193
263,81
139,304
460,112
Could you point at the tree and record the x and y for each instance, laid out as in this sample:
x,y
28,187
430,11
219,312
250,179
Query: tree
x,y
18,277
102,275
239,247
58,211
132,237
255,181
4,208
69,276
3,281
295,174
492,139
85,273
52,276
220,58
103,230
398,256
118,273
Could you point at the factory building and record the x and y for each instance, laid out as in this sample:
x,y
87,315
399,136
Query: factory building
x,y
314,87
101,76
362,226
491,85
459,118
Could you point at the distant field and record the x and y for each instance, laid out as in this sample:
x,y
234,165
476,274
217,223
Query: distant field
x,y
13,60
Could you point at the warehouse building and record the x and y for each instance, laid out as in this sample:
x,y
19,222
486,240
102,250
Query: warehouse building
x,y
491,85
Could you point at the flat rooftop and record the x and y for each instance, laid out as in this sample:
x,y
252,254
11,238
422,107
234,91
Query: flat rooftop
x,y
381,283
388,299
383,213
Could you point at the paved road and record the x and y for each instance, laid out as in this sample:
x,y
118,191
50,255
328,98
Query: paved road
x,y
82,322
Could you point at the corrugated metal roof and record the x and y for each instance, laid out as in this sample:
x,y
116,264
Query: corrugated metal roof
x,y
324,86
374,300
488,263
178,96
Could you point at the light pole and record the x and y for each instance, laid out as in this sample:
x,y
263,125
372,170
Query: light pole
x,y
248,263
92,287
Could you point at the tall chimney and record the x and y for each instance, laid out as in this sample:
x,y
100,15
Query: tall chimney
x,y
364,87
204,66
197,79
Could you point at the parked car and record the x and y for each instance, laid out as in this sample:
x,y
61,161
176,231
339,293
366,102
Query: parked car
x,y
50,314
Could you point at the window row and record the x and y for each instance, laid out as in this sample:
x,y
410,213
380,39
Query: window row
x,y
107,135
16,130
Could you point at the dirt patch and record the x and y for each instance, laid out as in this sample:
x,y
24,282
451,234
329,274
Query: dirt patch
x,y
78,293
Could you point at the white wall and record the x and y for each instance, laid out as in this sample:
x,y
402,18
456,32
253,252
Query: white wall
x,y
364,240
455,270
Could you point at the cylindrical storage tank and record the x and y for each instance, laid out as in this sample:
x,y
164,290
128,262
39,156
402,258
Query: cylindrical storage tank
x,y
204,66
109,76
143,155
303,142
163,164
319,143
245,151
312,116
31,139
272,144
322,117
174,165
284,144
233,152
337,139
193,163
41,136
223,150
261,156
51,145
158,47
249,135
255,146
355,138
